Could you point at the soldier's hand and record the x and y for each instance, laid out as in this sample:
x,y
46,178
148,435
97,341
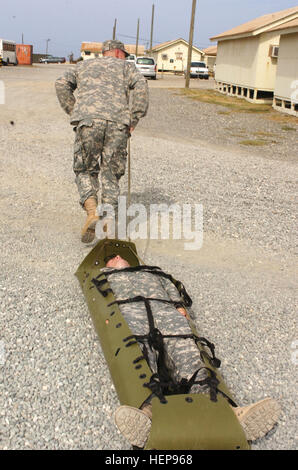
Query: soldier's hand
x,y
183,312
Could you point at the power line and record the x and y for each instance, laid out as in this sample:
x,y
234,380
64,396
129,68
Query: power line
x,y
158,42
135,37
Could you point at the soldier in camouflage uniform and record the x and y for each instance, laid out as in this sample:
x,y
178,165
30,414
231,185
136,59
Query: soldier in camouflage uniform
x,y
103,119
170,318
182,356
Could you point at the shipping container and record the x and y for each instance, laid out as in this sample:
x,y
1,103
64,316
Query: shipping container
x,y
24,54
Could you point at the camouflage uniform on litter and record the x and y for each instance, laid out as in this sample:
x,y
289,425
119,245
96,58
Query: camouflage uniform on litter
x,y
182,355
102,115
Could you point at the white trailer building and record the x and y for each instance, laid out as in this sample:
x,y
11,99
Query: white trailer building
x,y
247,57
171,56
286,85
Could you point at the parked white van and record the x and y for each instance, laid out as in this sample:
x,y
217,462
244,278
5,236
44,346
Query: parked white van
x,y
198,70
8,52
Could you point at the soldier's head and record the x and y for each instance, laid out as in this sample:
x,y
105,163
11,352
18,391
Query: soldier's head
x,y
116,262
113,48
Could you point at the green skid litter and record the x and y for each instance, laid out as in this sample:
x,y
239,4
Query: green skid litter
x,y
185,422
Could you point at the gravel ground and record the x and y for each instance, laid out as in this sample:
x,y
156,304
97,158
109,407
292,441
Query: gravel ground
x,y
56,391
216,125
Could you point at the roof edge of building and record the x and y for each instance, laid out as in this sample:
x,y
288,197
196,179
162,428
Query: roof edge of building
x,y
255,27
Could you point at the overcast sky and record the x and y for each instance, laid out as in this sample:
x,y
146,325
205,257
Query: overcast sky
x,y
67,23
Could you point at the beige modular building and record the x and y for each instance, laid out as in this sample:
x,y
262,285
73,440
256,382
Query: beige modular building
x,y
286,85
171,56
210,57
91,50
247,57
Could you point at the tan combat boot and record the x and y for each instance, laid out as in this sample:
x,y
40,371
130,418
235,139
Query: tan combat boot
x,y
256,420
88,231
259,418
134,424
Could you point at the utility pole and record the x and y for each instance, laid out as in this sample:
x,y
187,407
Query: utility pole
x,y
137,40
192,22
47,41
22,38
151,35
114,29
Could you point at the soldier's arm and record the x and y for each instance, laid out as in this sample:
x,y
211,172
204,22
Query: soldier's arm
x,y
65,87
139,95
171,290
174,295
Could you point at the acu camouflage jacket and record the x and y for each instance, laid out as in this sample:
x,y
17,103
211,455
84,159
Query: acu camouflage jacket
x,y
107,88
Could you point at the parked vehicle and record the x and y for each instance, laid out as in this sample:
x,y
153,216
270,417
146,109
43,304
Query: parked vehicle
x,y
8,52
198,70
131,58
52,60
147,67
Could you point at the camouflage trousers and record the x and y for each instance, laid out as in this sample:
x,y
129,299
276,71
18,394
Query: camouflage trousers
x,y
182,356
100,146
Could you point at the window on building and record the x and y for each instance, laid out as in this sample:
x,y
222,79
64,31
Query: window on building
x,y
87,53
171,61
9,47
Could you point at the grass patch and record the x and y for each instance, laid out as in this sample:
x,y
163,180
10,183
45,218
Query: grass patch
x,y
288,128
239,105
278,116
239,134
234,104
264,134
255,143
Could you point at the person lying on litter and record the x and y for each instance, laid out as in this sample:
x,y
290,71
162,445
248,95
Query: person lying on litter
x,y
149,300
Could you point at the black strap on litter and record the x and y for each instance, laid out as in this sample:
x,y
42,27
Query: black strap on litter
x,y
99,284
198,339
203,341
161,388
231,402
186,302
140,298
156,270
211,381
166,385
163,383
213,359
155,341
156,388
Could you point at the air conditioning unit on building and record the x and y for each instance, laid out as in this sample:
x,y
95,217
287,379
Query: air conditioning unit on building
x,y
273,51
